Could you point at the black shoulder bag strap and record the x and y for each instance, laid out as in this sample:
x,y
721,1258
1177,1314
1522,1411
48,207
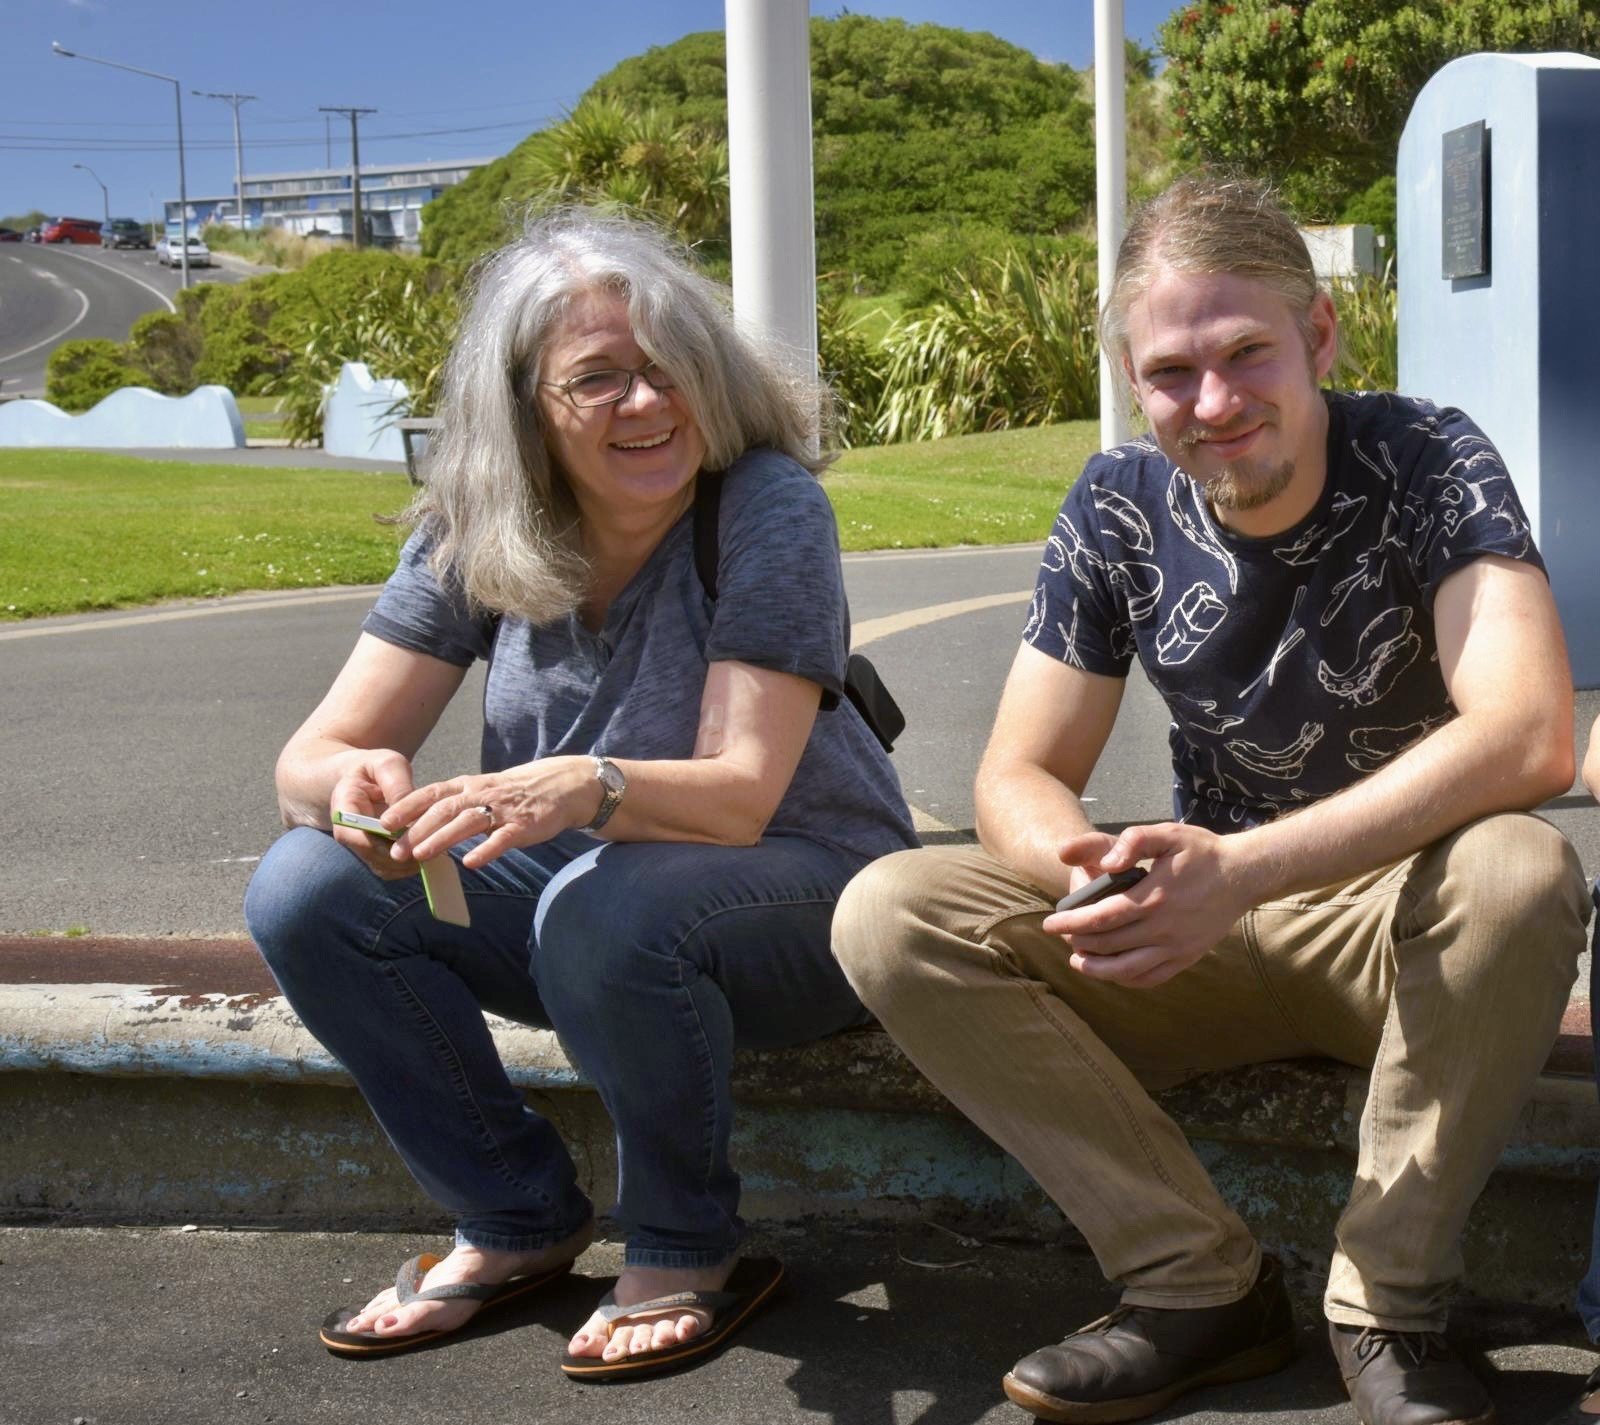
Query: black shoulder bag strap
x,y
862,685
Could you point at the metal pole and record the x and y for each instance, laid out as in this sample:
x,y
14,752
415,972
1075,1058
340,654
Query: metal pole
x,y
177,92
355,165
105,193
769,171
236,100
1110,190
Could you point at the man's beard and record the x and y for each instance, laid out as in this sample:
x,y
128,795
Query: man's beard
x,y
1247,487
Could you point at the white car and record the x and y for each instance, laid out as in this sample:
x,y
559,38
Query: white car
x,y
169,251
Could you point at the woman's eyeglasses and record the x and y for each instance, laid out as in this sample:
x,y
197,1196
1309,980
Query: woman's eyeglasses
x,y
606,388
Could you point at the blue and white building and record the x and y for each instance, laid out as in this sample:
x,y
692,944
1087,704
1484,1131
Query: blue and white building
x,y
315,202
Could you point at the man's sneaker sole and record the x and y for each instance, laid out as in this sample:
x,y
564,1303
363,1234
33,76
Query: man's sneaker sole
x,y
1260,1360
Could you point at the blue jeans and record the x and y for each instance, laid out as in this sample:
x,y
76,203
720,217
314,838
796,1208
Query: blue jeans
x,y
652,961
1589,1288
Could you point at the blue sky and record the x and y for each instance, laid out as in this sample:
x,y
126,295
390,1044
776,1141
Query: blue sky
x,y
462,80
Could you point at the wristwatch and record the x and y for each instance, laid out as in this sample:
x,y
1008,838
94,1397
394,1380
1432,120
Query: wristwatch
x,y
612,785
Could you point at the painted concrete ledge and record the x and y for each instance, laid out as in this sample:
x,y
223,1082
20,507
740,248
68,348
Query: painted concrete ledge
x,y
162,1080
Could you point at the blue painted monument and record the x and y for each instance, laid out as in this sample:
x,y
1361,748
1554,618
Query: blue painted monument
x,y
1499,247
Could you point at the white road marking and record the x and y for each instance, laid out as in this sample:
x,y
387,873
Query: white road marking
x,y
121,272
875,628
83,312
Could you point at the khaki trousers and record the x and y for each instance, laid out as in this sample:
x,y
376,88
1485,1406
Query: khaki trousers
x,y
1446,974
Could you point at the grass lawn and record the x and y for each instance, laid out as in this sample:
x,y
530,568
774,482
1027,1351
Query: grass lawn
x,y
262,418
970,489
98,531
90,530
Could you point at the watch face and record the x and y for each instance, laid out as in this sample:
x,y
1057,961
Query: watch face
x,y
611,777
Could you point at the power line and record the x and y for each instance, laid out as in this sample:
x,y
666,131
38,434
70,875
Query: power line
x,y
39,143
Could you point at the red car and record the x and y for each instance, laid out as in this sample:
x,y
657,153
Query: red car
x,y
71,230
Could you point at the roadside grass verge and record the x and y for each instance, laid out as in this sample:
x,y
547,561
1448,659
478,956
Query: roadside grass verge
x,y
83,530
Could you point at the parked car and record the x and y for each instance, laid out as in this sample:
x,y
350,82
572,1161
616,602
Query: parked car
x,y
32,235
10,235
124,232
79,230
169,251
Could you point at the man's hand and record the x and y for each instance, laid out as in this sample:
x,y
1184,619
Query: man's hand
x,y
1198,887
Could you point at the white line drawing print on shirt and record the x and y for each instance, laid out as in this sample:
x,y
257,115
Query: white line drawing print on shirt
x,y
1197,615
1066,550
1370,565
1127,524
1292,635
1202,714
1386,648
1036,608
1069,639
1286,763
1196,526
1376,745
1320,538
1140,586
1218,788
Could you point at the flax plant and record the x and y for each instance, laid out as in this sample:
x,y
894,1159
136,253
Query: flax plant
x,y
1369,332
1012,343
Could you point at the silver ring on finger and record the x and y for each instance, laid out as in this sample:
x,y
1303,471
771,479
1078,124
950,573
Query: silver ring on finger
x,y
488,815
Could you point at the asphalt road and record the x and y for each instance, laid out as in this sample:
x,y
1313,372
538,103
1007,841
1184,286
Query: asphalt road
x,y
62,292
139,745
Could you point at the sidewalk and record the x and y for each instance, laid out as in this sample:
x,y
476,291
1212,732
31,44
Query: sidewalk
x,y
169,1327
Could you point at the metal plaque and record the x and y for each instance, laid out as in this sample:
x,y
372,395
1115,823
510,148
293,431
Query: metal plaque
x,y
1464,209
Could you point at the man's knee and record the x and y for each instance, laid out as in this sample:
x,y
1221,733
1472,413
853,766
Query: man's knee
x,y
880,923
1514,880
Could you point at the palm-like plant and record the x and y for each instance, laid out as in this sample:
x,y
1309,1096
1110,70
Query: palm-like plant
x,y
606,153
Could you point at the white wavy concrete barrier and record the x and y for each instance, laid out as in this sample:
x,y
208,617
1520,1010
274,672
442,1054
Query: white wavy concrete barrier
x,y
359,414
206,419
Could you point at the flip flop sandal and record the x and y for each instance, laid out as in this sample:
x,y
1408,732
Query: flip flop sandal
x,y
408,1288
752,1284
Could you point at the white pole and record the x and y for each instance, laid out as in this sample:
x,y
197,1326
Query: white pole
x,y
769,171
1110,189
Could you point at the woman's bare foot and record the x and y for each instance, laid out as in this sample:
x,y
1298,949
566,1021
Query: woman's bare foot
x,y
638,1284
384,1316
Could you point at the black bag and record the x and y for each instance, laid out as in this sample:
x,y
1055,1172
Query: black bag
x,y
862,685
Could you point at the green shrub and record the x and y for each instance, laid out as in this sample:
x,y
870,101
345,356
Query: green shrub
x,y
165,348
853,365
81,374
399,318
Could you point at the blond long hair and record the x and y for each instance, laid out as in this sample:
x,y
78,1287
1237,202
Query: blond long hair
x,y
502,519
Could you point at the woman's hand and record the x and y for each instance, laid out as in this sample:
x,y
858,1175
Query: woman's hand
x,y
525,805
370,782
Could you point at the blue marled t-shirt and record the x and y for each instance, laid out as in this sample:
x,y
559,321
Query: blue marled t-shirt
x,y
632,690
1292,664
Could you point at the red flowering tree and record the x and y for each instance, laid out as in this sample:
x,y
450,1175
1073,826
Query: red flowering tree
x,y
1314,94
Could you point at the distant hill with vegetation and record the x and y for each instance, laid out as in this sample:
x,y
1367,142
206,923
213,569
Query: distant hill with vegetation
x,y
931,144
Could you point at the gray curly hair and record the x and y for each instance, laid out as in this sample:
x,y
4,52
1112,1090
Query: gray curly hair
x,y
502,519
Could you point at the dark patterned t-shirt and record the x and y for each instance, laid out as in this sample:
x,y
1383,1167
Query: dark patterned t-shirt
x,y
1294,664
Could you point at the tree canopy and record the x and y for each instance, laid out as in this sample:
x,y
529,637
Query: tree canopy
x,y
1315,94
920,131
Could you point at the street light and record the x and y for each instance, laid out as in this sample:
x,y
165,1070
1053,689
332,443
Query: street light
x,y
105,193
177,94
238,146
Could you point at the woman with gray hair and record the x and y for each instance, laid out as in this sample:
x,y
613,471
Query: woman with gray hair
x,y
671,794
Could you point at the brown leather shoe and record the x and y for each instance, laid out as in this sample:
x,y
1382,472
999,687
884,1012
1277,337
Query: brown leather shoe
x,y
1133,1362
1407,1378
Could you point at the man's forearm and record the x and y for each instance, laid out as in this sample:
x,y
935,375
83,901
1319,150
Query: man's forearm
x,y
1460,772
1024,817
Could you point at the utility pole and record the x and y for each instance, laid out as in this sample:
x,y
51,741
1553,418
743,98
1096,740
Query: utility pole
x,y
355,165
238,146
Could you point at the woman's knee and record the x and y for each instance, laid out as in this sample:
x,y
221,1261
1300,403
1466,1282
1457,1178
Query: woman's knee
x,y
304,887
598,925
